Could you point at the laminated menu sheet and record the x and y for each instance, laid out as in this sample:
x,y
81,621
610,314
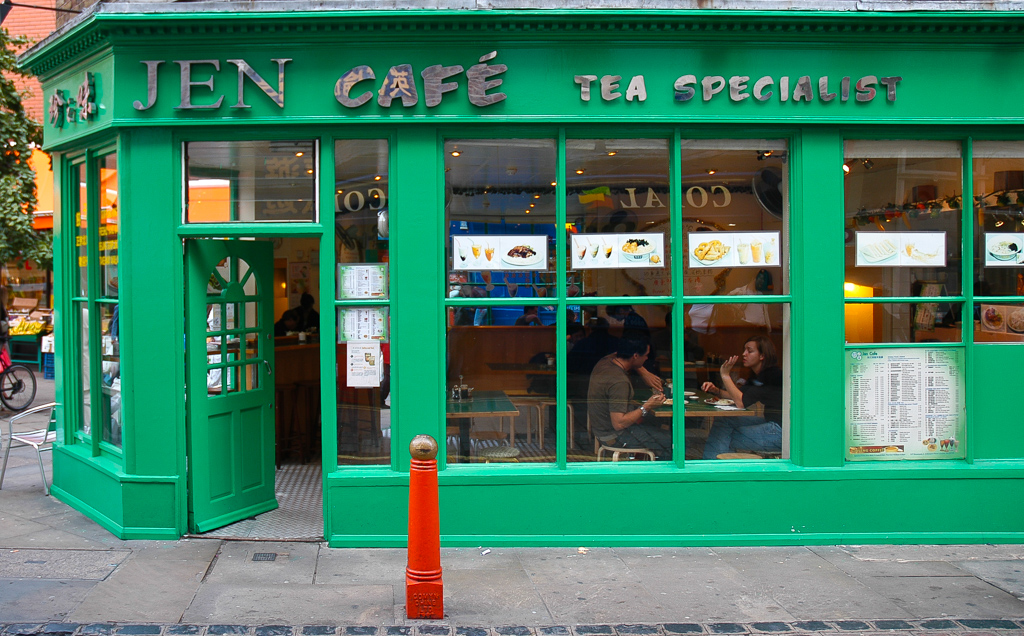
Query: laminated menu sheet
x,y
365,364
363,323
364,280
904,403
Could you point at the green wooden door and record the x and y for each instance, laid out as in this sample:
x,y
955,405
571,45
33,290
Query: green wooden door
x,y
230,398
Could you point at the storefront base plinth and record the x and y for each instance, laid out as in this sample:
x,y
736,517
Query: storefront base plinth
x,y
129,506
798,506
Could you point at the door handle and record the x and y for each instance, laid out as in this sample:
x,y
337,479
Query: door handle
x,y
269,370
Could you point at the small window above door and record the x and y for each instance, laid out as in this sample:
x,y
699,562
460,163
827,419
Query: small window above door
x,y
250,181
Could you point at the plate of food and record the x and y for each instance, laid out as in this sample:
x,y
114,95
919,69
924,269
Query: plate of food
x,y
711,252
1003,249
992,318
719,402
879,251
1015,321
689,393
637,249
667,402
522,256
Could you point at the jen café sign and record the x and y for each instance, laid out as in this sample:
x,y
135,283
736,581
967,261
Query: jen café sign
x,y
360,84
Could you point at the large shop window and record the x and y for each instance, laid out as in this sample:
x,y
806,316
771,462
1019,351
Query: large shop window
x,y
998,241
500,219
904,364
250,181
503,358
93,189
362,304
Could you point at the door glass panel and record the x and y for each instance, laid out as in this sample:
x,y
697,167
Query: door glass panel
x,y
110,406
231,181
617,217
735,216
252,315
999,322
231,315
364,389
500,215
252,375
999,218
903,216
252,346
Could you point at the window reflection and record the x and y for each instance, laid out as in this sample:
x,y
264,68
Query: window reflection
x,y
999,213
500,215
903,216
736,380
79,205
110,406
735,216
619,359
500,384
250,181
902,322
617,217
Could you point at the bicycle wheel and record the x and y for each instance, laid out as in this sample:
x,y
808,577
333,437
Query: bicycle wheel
x,y
17,387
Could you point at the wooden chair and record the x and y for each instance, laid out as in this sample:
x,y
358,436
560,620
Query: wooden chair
x,y
41,440
616,451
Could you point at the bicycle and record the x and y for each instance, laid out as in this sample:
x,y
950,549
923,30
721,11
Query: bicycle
x,y
17,384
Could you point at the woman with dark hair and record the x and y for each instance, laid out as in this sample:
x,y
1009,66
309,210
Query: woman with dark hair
x,y
764,386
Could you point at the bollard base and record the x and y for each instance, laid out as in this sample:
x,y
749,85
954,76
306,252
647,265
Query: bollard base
x,y
424,600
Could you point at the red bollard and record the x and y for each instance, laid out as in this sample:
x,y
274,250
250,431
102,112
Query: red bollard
x,y
424,590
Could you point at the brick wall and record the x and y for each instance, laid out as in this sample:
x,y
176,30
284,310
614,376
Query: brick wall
x,y
36,24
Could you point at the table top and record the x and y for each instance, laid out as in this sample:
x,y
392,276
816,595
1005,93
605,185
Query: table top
x,y
481,404
699,409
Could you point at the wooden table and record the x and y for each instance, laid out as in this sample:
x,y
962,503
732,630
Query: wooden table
x,y
523,367
482,404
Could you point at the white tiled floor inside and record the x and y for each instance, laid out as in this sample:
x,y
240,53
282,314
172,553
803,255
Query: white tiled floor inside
x,y
300,513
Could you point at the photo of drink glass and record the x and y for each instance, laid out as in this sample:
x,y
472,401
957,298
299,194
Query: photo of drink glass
x,y
755,251
743,250
769,252
476,250
489,252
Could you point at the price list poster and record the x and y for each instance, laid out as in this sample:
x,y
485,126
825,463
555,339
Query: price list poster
x,y
904,403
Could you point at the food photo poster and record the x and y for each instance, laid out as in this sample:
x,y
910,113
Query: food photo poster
x,y
1004,249
733,249
901,249
495,252
618,251
1002,319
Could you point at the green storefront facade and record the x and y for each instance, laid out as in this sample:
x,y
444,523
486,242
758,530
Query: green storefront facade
x,y
831,100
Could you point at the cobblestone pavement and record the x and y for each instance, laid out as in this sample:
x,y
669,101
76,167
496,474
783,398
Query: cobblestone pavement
x,y
931,627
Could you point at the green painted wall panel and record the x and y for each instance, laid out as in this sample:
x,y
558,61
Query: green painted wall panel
x,y
91,483
150,508
998,431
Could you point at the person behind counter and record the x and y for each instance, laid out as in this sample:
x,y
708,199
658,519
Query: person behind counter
x,y
301,318
753,433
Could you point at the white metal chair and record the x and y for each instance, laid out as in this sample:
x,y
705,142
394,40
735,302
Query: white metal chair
x,y
40,439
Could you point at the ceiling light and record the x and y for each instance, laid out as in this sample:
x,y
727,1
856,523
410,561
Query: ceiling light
x,y
537,196
579,171
299,154
850,287
868,164
340,191
377,178
711,171
527,211
846,168
612,153
456,153
554,183
533,205
309,172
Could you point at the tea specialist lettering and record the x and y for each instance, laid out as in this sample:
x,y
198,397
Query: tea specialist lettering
x,y
740,88
399,83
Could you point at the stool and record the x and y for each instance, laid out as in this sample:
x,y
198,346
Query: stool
x,y
309,390
531,405
498,453
738,456
616,451
287,438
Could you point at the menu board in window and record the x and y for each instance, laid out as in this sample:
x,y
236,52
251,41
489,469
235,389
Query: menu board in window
x,y
363,280
905,403
363,323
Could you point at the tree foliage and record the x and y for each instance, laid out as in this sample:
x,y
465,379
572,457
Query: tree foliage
x,y
19,134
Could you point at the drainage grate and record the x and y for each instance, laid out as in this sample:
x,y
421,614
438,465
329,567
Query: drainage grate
x,y
264,556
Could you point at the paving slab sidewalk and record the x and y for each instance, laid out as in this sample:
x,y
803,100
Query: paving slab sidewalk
x,y
60,573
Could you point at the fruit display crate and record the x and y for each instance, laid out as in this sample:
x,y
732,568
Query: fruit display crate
x,y
26,349
48,366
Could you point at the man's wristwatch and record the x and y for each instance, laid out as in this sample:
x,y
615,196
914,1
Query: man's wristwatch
x,y
643,411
